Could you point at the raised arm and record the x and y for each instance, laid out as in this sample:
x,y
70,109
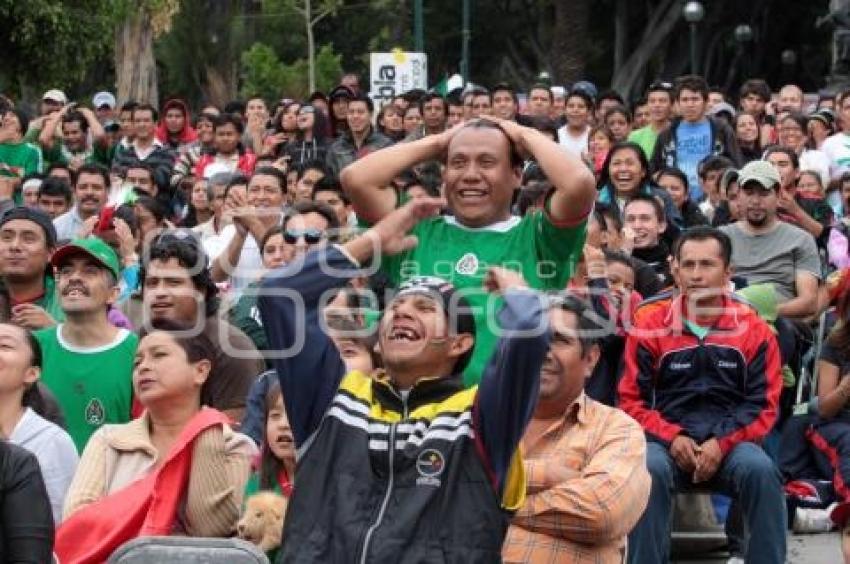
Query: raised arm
x,y
368,181
575,186
289,306
509,386
310,368
98,134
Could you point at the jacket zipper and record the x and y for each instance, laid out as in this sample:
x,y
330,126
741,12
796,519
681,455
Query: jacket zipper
x,y
390,484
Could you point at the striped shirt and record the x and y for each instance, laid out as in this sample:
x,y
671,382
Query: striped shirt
x,y
587,487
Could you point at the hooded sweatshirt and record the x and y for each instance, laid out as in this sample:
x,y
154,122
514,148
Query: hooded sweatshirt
x,y
182,141
56,454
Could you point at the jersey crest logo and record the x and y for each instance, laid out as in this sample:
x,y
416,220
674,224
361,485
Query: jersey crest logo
x,y
467,265
430,464
95,412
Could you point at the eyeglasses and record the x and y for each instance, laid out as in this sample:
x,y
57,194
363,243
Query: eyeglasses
x,y
306,110
311,236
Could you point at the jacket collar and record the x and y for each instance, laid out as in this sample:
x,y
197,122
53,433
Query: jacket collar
x,y
674,317
425,391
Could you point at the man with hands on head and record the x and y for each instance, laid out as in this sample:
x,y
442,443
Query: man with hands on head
x,y
482,168
702,377
75,124
411,433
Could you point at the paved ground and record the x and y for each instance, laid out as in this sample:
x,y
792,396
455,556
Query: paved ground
x,y
802,549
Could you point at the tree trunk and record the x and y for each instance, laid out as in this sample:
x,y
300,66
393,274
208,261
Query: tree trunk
x,y
569,39
311,45
661,23
135,66
621,33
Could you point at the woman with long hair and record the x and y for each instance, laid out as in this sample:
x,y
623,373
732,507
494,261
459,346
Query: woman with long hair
x,y
284,128
22,414
310,142
747,133
625,174
391,122
794,134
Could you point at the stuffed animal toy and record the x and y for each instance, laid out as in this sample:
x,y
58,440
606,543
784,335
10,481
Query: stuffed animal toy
x,y
262,521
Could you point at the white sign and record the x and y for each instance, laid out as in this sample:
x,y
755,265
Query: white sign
x,y
395,73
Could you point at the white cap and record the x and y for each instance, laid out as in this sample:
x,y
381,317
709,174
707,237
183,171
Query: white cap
x,y
56,96
103,99
215,168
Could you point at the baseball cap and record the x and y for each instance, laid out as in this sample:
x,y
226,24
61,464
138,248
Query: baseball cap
x,y
56,96
104,99
825,116
341,92
92,246
586,87
761,172
34,215
722,107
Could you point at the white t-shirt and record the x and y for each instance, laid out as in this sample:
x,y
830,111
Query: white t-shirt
x,y
250,265
56,454
837,150
575,145
817,161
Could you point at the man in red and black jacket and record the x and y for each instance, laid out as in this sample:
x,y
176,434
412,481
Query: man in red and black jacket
x,y
702,376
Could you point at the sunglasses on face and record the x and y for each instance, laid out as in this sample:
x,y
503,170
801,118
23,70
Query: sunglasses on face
x,y
311,236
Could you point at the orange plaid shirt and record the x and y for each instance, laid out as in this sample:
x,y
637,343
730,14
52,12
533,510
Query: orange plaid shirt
x,y
587,487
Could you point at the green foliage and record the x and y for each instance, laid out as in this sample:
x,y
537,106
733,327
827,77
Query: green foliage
x,y
264,74
50,43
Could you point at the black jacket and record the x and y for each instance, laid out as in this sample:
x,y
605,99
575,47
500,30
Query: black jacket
x,y
692,215
433,476
26,521
723,143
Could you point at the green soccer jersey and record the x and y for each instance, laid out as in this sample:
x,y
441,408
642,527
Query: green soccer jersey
x,y
19,159
646,138
59,153
93,386
543,253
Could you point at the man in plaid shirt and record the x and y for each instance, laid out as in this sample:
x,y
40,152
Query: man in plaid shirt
x,y
585,462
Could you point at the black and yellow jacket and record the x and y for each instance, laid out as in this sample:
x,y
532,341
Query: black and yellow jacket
x,y
430,475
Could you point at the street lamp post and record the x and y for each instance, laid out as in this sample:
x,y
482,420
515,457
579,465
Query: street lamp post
x,y
693,12
743,35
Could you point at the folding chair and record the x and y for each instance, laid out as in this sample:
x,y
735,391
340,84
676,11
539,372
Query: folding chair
x,y
187,550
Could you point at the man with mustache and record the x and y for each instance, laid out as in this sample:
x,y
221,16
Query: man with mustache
x,y
177,286
86,361
702,377
91,192
766,249
584,461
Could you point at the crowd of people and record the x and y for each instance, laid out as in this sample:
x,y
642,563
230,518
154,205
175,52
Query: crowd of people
x,y
487,326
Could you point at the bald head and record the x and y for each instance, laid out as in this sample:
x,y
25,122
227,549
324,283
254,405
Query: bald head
x,y
791,98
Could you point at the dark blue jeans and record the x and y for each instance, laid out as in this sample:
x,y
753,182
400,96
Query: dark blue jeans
x,y
746,474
